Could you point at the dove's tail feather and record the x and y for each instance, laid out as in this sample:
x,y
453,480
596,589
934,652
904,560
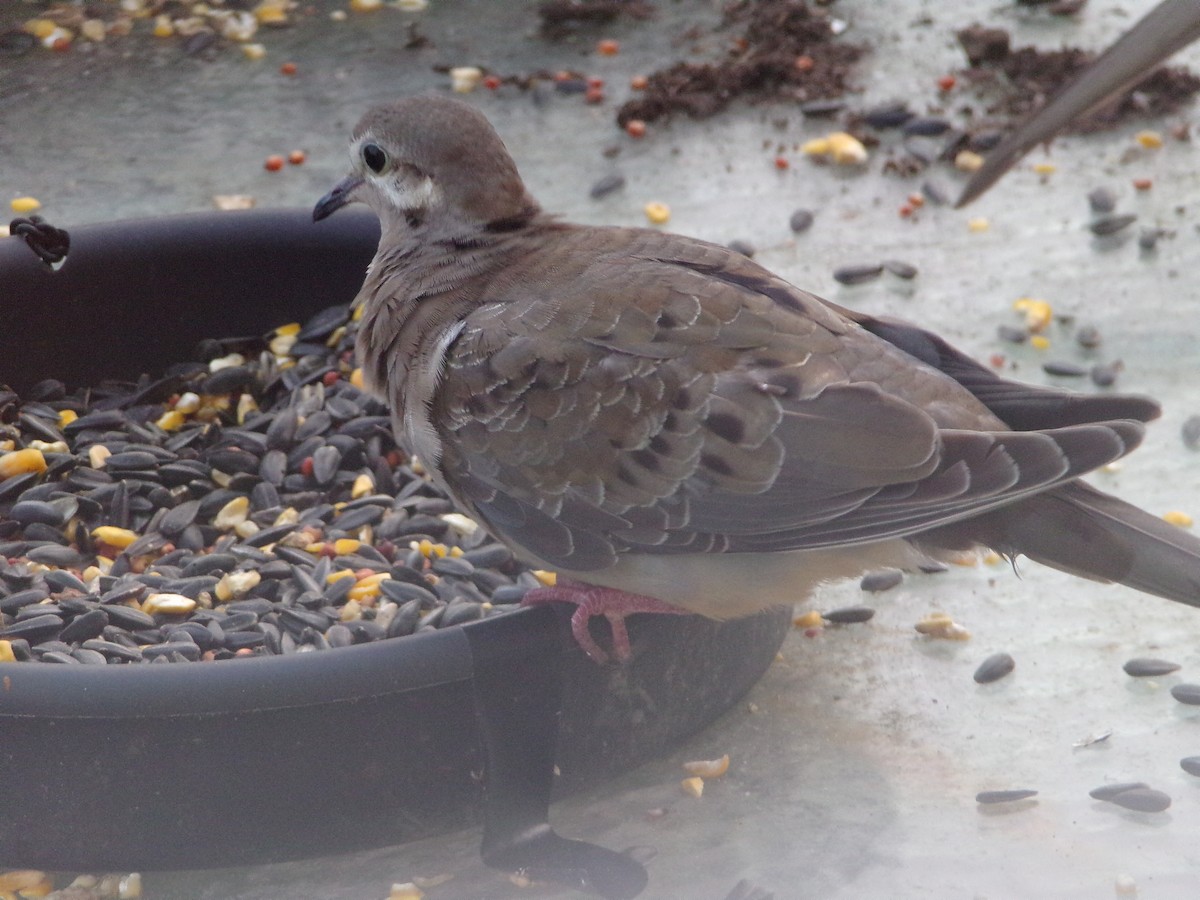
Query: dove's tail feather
x,y
1086,532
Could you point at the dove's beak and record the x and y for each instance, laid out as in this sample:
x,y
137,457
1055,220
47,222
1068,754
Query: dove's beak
x,y
342,193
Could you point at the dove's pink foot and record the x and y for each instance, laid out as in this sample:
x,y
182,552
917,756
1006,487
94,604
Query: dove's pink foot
x,y
591,601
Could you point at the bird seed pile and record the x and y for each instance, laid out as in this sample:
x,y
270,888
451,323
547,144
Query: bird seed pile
x,y
250,503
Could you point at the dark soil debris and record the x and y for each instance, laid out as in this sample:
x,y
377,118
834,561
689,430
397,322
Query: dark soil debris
x,y
1021,79
785,50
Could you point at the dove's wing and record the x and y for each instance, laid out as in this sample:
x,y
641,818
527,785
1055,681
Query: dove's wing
x,y
669,396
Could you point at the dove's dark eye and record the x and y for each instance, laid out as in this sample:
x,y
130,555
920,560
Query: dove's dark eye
x,y
374,157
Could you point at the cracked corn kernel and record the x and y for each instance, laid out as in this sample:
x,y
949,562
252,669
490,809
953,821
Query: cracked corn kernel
x,y
968,161
168,604
693,787
1176,517
130,886
21,462
114,536
232,513
25,883
657,213
171,420
464,79
1151,140
940,625
708,768
23,205
405,891
1038,313
840,147
810,619
236,585
364,485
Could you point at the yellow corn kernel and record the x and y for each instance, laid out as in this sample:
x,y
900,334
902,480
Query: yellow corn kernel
x,y
368,587
22,462
40,28
6,652
23,205
271,13
171,420
708,768
657,213
1176,517
66,417
810,619
693,787
114,536
342,546
232,514
1151,140
549,579
26,883
364,486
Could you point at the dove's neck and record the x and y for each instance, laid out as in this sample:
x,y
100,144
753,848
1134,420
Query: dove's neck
x,y
421,284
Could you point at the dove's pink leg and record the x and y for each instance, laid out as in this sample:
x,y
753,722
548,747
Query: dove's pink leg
x,y
591,601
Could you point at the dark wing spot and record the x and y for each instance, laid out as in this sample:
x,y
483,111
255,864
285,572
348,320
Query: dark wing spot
x,y
727,426
716,464
646,459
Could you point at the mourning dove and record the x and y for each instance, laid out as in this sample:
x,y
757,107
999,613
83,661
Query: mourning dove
x,y
671,427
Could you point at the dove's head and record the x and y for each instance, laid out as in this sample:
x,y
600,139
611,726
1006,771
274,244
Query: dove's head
x,y
430,159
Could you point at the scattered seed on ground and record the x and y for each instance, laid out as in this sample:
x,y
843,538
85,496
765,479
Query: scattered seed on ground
x,y
1010,796
882,580
849,615
1191,765
1102,226
901,269
801,220
1146,667
994,668
1107,791
859,274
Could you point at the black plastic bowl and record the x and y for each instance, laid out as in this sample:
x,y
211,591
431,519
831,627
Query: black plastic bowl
x,y
259,760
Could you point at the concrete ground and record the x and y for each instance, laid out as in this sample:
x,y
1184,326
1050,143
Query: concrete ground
x,y
855,762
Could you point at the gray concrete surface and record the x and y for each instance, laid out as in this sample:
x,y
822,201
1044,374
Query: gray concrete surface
x,y
856,760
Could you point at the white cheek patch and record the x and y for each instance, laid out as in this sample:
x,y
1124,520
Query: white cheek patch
x,y
413,194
